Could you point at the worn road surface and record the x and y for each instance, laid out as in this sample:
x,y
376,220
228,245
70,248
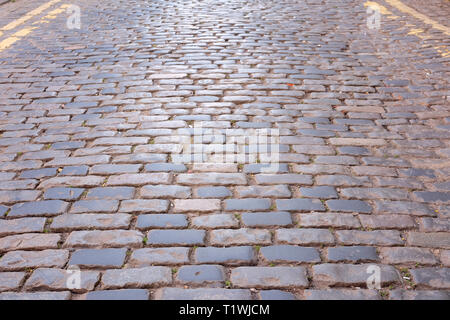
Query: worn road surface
x,y
93,121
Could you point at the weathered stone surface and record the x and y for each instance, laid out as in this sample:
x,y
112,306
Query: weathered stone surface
x,y
378,237
176,237
349,274
136,278
265,219
88,181
202,274
354,254
289,254
269,277
403,207
196,205
59,279
387,221
71,222
247,204
11,280
325,220
279,191
303,236
276,295
445,257
38,208
429,240
202,294
98,258
433,197
110,193
145,206
23,225
164,191
434,278
63,193
21,260
124,294
159,256
27,241
434,225
143,143
287,178
349,206
108,238
230,256
215,221
300,205
213,192
243,236
341,294
405,256
401,294
138,179
86,206
212,179
157,221
321,192
64,295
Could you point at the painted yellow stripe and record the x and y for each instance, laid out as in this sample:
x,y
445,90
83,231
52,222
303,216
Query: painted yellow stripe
x,y
28,16
53,14
377,6
15,37
404,8
25,31
413,30
380,8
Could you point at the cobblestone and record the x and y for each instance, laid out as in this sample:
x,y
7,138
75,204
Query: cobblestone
x,y
269,277
289,254
21,260
243,236
58,279
101,161
202,294
230,256
98,258
10,281
136,278
39,208
207,274
162,256
108,238
348,274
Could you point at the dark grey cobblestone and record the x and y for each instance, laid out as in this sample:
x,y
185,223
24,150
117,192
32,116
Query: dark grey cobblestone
x,y
266,219
98,258
352,254
123,294
289,254
63,193
39,208
230,256
201,274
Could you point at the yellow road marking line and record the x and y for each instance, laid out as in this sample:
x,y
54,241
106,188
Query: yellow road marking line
x,y
52,14
418,32
25,31
380,8
404,8
27,16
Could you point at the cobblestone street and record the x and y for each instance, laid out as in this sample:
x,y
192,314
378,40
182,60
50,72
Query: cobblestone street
x,y
94,122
